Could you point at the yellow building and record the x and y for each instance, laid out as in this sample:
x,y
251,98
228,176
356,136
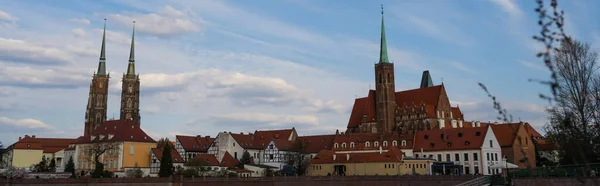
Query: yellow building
x,y
121,143
29,150
328,162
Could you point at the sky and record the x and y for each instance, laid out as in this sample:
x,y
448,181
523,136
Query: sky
x,y
208,66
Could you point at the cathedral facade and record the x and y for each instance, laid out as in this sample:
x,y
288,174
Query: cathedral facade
x,y
96,110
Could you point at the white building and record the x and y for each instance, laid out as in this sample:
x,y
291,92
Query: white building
x,y
190,146
475,148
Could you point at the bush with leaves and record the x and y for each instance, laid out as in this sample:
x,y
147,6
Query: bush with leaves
x,y
13,173
42,166
136,172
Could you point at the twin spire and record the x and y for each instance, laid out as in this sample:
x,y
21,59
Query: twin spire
x,y
102,64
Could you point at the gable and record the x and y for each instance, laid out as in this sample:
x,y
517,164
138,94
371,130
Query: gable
x,y
490,136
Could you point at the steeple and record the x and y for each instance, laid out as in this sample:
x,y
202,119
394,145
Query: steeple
x,y
131,67
426,80
383,55
102,65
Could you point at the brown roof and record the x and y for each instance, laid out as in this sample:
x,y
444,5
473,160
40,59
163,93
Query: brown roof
x,y
228,161
326,157
120,130
261,139
456,113
48,145
428,97
210,159
195,143
174,155
505,133
360,139
450,139
314,144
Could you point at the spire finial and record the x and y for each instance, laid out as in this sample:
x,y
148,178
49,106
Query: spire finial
x,y
131,66
383,56
101,64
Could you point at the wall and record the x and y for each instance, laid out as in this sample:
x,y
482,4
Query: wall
x,y
25,158
470,165
525,145
371,169
141,154
494,149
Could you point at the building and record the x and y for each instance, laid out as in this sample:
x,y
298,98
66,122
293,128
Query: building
x,y
156,157
372,142
314,144
121,143
516,144
329,162
474,148
29,150
190,146
130,90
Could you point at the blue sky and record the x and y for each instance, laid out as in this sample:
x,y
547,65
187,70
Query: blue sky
x,y
208,66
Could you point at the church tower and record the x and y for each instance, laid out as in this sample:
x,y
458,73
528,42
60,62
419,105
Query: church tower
x,y
95,113
130,95
384,87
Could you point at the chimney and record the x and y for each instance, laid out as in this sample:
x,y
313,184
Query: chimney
x,y
20,138
207,136
380,150
199,136
32,136
241,132
333,157
26,136
348,157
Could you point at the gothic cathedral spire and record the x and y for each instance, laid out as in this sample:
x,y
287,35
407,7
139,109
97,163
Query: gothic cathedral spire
x,y
384,87
130,95
95,113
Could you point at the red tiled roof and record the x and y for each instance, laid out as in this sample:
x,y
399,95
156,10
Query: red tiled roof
x,y
195,143
174,155
48,145
228,161
210,159
456,113
366,105
261,139
314,144
120,130
326,157
505,133
453,139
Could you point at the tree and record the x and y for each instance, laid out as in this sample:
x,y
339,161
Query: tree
x,y
1,154
298,158
166,164
52,165
136,172
577,101
246,159
70,167
162,142
96,151
42,166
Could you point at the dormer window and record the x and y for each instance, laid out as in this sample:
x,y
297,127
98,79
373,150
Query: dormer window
x,y
351,144
102,137
367,144
394,143
144,137
385,143
92,138
426,136
344,145
110,136
376,144
336,145
131,137
28,145
131,126
477,133
403,143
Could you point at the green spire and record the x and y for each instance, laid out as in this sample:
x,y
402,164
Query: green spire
x,y
383,55
426,80
102,64
131,67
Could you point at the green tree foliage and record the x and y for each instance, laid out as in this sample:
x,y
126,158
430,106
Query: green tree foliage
x,y
246,159
136,172
70,167
52,165
298,158
162,142
98,170
42,166
166,164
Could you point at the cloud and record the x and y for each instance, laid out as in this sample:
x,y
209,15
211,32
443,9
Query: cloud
x,y
152,109
434,30
532,65
6,16
462,67
25,76
509,6
83,21
79,32
259,120
521,111
13,50
26,124
166,22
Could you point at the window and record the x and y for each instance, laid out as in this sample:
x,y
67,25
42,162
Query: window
x,y
367,144
496,156
131,149
491,144
403,142
344,145
388,78
488,156
376,144
235,155
385,143
116,164
336,145
270,156
448,157
234,144
466,156
475,157
351,144
456,157
394,143
380,78
416,155
439,157
475,170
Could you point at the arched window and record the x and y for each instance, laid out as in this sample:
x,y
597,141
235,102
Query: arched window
x,y
388,78
367,144
380,78
394,143
351,144
128,116
403,142
344,145
376,144
130,88
99,100
129,103
98,118
385,143
336,145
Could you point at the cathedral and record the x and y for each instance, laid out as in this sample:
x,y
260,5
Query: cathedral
x,y
96,109
386,111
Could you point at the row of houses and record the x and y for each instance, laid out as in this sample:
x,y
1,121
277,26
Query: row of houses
x,y
473,148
